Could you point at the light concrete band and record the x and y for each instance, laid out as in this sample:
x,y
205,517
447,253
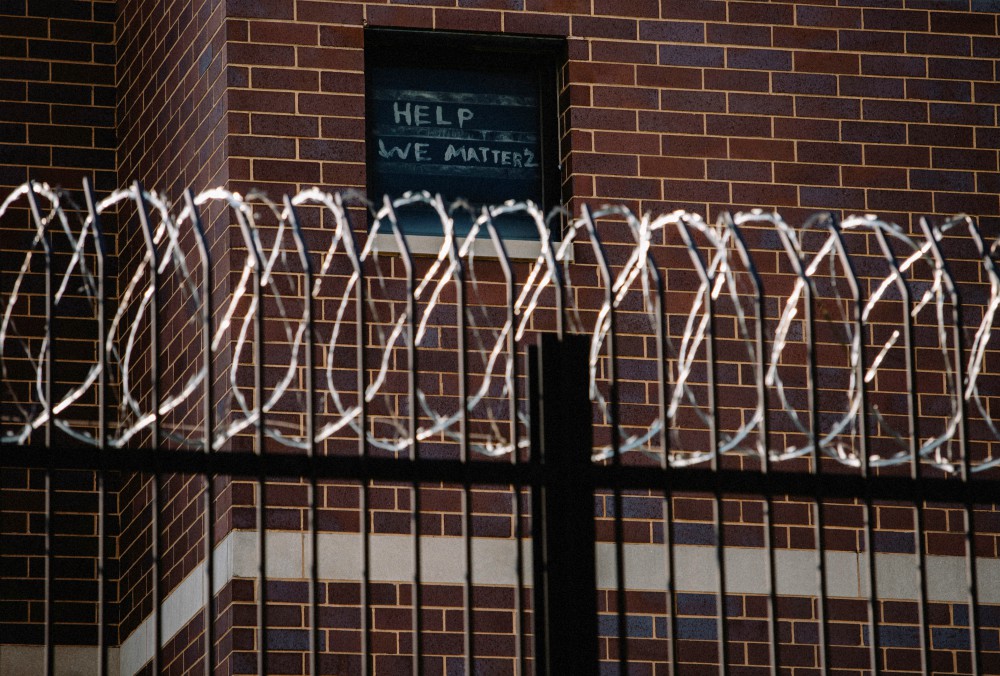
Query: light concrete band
x,y
495,563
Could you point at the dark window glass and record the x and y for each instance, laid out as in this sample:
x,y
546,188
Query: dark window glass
x,y
467,116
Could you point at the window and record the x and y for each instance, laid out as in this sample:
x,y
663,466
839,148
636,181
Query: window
x,y
467,116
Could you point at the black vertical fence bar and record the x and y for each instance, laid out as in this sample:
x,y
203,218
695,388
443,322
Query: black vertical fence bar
x,y
468,611
539,604
916,468
991,270
662,386
812,383
102,428
153,261
46,239
932,234
795,258
708,282
412,419
540,610
868,514
208,426
361,364
309,345
565,584
763,440
520,623
621,607
260,438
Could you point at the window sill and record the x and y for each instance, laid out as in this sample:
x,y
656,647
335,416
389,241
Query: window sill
x,y
429,245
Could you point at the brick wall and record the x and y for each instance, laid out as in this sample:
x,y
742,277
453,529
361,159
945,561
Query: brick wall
x,y
702,105
171,114
58,89
57,118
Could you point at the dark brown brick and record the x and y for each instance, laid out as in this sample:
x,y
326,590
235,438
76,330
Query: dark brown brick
x,y
804,83
902,111
467,20
729,80
939,90
626,97
401,17
283,33
664,76
895,20
739,170
804,38
761,104
692,100
806,174
762,13
862,177
821,106
285,79
694,146
594,27
954,158
628,188
696,10
692,55
697,191
738,125
824,62
945,45
248,9
631,52
953,181
985,47
958,113
639,144
838,153
672,167
760,59
630,8
757,195
604,163
966,24
894,66
286,171
975,205
987,93
828,17
806,129
734,34
325,12
672,31
872,41
676,123
604,73
875,87
897,156
537,24
832,198
761,149
558,6
256,54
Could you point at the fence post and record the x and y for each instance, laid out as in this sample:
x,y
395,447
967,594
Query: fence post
x,y
564,567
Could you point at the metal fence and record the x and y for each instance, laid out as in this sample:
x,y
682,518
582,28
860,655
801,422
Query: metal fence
x,y
842,359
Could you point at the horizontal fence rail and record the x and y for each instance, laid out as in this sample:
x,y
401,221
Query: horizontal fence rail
x,y
836,362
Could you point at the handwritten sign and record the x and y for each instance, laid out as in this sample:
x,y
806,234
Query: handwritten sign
x,y
461,133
